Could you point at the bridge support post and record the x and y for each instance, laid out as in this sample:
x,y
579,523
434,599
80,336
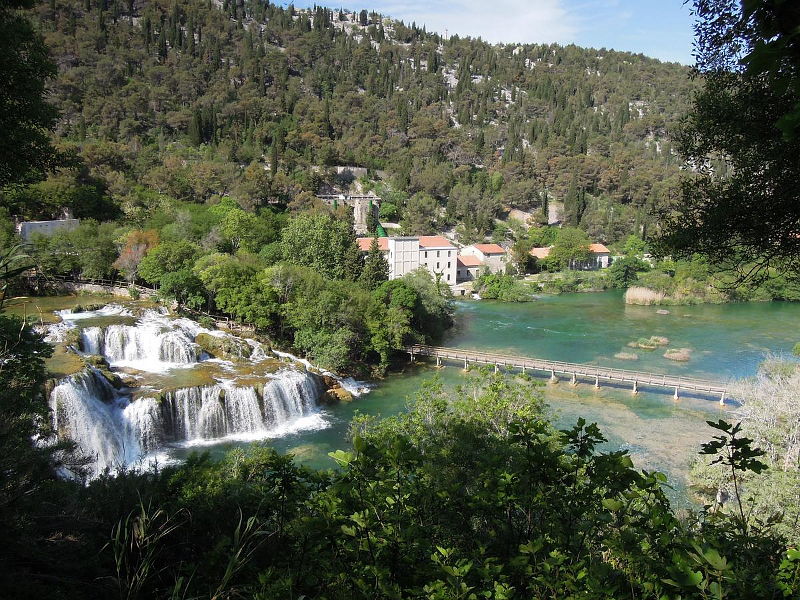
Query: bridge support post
x,y
496,368
635,387
553,377
675,395
574,379
722,399
412,356
438,361
597,381
465,364
523,369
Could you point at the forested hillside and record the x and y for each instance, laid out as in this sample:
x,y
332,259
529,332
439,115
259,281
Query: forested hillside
x,y
192,100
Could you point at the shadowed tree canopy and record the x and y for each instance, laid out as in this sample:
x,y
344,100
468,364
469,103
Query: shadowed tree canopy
x,y
743,140
25,116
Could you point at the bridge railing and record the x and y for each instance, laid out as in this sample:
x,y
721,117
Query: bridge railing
x,y
565,367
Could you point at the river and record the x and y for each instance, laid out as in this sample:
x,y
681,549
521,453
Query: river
x,y
726,341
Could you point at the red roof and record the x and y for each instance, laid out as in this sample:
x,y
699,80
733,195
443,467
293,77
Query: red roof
x,y
490,248
598,249
466,260
365,242
434,241
540,252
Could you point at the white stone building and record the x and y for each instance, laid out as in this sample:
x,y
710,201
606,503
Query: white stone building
x,y
28,229
408,253
493,256
599,257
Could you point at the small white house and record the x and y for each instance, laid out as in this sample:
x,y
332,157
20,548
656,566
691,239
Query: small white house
x,y
468,268
28,229
599,257
493,256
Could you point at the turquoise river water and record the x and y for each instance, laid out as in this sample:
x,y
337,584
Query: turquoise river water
x,y
726,341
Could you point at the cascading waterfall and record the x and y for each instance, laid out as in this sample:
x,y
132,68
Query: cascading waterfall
x,y
148,343
215,411
118,431
87,410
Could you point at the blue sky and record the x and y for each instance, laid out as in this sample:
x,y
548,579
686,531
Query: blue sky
x,y
657,28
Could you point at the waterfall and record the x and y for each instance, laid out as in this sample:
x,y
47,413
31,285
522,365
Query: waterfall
x,y
243,410
211,412
86,410
291,395
117,431
147,346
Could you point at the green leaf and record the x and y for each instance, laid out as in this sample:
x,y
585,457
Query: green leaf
x,y
342,457
612,505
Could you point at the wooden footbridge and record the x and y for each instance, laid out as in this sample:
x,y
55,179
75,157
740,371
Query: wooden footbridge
x,y
575,371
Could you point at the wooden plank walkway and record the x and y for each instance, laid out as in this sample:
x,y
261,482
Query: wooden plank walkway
x,y
575,371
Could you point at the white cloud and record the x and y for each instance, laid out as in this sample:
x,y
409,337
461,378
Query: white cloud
x,y
507,21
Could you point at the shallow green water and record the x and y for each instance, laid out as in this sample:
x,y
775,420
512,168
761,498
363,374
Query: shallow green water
x,y
661,434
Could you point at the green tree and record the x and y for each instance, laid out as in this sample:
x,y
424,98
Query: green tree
x,y
740,209
571,245
634,246
420,214
168,257
625,271
25,117
323,243
390,319
376,267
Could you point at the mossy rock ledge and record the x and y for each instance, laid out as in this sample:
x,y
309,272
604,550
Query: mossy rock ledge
x,y
101,366
334,392
225,347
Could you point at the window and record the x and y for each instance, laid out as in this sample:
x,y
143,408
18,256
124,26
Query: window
x,y
437,266
448,254
448,263
437,254
426,254
448,278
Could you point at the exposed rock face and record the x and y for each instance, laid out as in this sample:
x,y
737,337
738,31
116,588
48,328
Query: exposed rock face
x,y
334,392
225,347
103,369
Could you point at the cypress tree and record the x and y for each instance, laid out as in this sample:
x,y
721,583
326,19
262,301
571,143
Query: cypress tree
x,y
376,268
196,129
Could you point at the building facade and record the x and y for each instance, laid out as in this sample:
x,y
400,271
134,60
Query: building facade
x,y
468,268
408,253
28,229
493,256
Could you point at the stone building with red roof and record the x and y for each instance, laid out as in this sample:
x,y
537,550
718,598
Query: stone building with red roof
x,y
493,256
408,253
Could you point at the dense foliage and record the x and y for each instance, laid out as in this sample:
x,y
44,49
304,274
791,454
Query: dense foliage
x,y
189,100
471,494
770,416
25,116
743,138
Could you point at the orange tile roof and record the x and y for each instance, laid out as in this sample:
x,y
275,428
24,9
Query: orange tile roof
x,y
365,242
540,252
434,241
467,260
598,248
490,248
